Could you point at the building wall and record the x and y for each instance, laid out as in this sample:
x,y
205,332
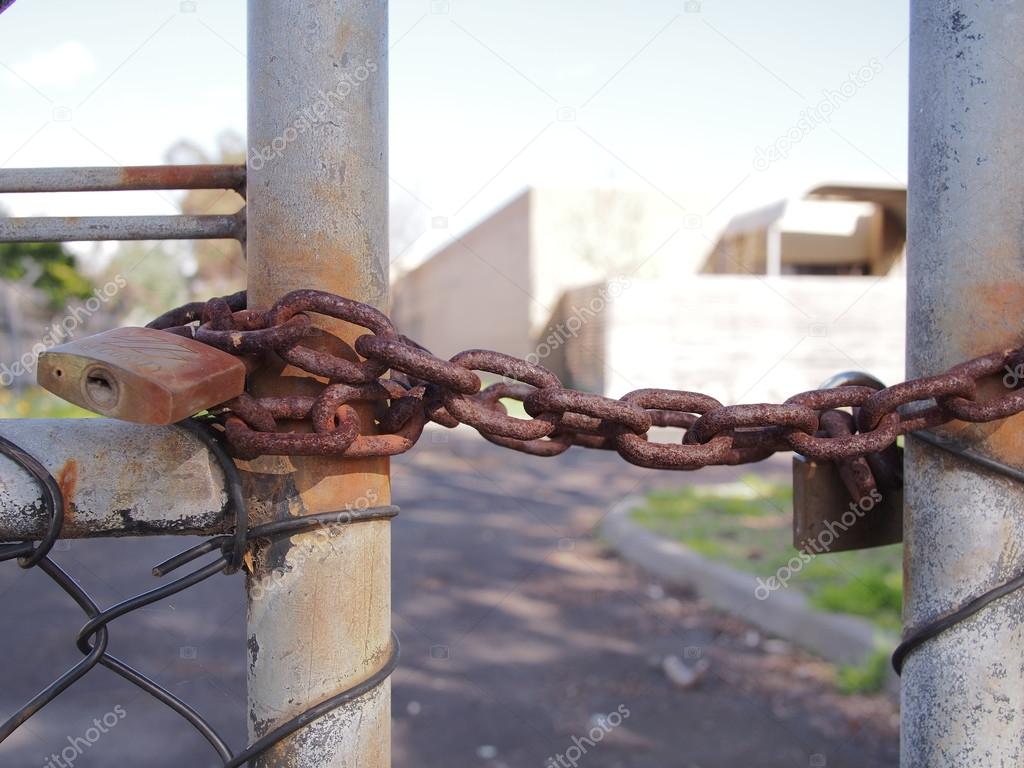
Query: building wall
x,y
499,284
476,291
742,253
751,339
816,236
572,343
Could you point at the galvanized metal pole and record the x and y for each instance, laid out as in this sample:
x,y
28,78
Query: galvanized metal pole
x,y
963,692
118,479
319,607
53,229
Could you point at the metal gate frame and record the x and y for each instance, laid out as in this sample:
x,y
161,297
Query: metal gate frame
x,y
316,215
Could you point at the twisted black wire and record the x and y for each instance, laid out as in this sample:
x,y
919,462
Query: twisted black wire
x,y
918,636
92,640
53,500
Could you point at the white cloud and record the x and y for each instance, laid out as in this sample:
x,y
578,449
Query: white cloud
x,y
64,64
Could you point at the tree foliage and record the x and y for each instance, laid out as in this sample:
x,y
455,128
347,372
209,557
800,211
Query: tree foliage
x,y
47,267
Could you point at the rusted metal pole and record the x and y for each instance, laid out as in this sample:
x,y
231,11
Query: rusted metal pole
x,y
318,610
963,692
118,479
122,178
44,229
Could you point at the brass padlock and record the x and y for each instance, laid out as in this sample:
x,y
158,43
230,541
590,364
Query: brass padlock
x,y
141,375
826,518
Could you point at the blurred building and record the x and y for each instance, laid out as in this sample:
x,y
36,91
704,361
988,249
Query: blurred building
x,y
497,284
787,295
832,230
738,338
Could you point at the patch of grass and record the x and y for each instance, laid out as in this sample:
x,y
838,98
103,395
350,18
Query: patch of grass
x,y
868,677
874,593
36,403
736,523
748,525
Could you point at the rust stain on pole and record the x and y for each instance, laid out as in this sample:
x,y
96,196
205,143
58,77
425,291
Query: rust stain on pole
x,y
67,480
319,603
129,177
184,177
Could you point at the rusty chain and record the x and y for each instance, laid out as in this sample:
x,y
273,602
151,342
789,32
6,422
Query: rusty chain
x,y
423,387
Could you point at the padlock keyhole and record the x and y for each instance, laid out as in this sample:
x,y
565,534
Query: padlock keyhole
x,y
101,389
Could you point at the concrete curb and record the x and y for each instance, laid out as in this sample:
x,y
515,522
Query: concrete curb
x,y
785,613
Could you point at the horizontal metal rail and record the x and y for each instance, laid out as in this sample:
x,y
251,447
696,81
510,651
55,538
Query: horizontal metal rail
x,y
47,229
117,479
51,229
124,178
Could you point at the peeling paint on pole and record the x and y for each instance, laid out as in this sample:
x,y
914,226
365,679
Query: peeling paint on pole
x,y
963,692
118,479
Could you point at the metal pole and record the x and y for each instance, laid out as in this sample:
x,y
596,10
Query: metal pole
x,y
319,609
117,479
122,178
52,229
963,692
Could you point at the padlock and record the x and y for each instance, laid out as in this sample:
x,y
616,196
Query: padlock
x,y
141,375
826,518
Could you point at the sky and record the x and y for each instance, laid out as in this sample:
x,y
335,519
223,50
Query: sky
x,y
718,105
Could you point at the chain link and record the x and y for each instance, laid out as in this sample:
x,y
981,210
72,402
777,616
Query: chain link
x,y
423,387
